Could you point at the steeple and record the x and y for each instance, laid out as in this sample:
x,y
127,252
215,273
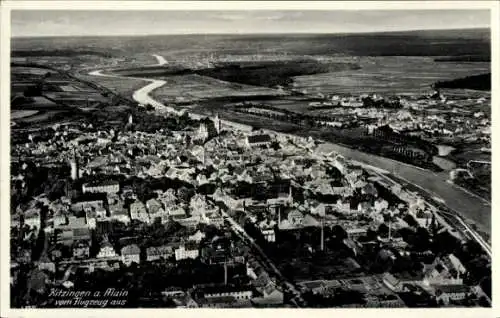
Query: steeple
x,y
74,166
322,234
217,123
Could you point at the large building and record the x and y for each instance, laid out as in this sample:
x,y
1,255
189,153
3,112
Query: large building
x,y
258,140
107,186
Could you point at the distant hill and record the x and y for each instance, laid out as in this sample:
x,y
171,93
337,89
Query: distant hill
x,y
478,82
438,43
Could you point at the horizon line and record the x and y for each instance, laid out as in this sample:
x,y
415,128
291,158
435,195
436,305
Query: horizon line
x,y
249,33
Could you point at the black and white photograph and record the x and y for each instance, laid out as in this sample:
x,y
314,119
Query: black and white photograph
x,y
248,158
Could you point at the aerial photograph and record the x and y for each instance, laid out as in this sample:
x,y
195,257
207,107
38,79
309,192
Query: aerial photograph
x,y
250,159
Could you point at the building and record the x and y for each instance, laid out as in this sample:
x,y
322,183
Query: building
x,y
355,233
108,186
154,253
258,140
131,254
449,293
77,229
75,169
88,201
138,212
81,250
239,293
44,263
202,133
106,250
185,251
217,124
32,218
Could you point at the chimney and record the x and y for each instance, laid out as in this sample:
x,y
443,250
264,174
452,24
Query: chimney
x,y
390,227
322,235
225,272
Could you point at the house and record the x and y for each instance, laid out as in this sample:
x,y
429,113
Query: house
x,y
118,213
318,208
154,253
77,229
380,205
197,237
59,218
451,261
238,293
81,249
258,140
24,256
295,217
215,219
44,263
37,281
106,250
138,212
444,271
223,302
154,206
32,218
107,186
271,296
267,229
198,205
176,211
354,233
188,250
449,293
131,254
88,200
184,301
216,251
93,215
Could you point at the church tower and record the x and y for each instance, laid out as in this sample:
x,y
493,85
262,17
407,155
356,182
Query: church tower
x,y
74,166
217,123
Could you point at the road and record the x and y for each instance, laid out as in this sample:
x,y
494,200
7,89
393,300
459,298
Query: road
x,y
264,259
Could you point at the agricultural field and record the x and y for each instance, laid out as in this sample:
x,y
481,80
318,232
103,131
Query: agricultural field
x,y
195,87
122,86
18,114
389,76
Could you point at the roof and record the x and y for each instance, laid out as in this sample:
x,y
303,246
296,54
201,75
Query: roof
x,y
452,288
101,183
258,138
79,232
208,290
160,250
131,250
88,197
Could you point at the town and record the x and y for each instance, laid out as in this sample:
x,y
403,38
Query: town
x,y
231,217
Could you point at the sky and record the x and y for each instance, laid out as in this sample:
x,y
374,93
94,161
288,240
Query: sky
x,y
95,23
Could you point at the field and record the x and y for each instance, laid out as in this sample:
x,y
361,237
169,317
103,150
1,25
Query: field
x,y
195,87
389,75
17,114
122,86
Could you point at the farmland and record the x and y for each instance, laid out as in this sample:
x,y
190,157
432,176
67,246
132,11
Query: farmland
x,y
195,87
389,75
122,86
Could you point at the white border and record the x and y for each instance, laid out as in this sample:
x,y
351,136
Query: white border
x,y
7,6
